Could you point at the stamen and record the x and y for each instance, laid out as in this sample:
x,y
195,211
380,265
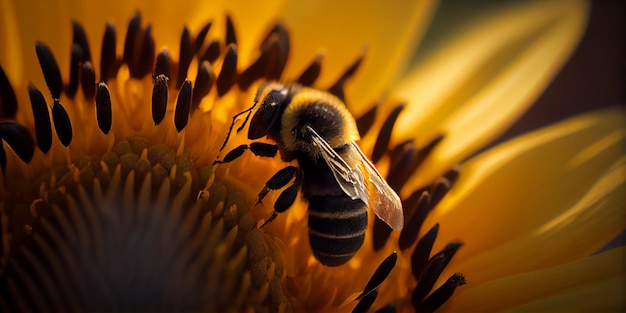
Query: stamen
x,y
281,36
201,37
50,69
369,294
431,273
145,58
310,74
441,294
380,234
438,190
104,114
403,164
262,65
163,64
427,148
185,56
380,274
183,103
228,74
382,141
8,100
337,88
132,41
231,38
43,128
108,58
62,123
411,230
75,61
453,174
159,98
365,122
88,80
212,51
80,39
204,83
19,139
419,257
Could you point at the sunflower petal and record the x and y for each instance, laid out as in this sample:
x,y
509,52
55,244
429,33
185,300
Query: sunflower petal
x,y
594,284
512,221
388,31
473,87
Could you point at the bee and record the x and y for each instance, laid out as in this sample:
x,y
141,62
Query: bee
x,y
339,182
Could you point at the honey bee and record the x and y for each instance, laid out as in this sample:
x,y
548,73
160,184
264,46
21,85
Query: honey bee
x,y
339,182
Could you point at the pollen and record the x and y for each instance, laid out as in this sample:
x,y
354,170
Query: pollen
x,y
119,192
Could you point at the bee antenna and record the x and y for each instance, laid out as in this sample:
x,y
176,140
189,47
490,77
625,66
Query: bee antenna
x,y
271,218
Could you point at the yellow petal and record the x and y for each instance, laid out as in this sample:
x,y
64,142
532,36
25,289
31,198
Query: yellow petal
x,y
387,30
475,85
594,284
519,206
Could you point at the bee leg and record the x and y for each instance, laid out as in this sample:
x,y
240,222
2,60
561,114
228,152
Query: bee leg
x,y
288,196
245,121
257,148
279,180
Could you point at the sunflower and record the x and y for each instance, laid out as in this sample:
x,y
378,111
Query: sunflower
x,y
127,184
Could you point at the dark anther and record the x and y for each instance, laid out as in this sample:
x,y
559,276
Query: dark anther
x,y
145,58
228,74
88,80
380,233
439,189
108,61
441,294
50,69
427,148
163,65
62,123
185,57
199,41
104,115
369,294
402,165
204,82
380,274
286,198
76,55
433,269
19,139
280,35
132,41
365,122
231,37
159,98
261,66
8,100
366,302
310,74
43,128
417,216
337,88
419,257
453,174
79,38
382,141
183,104
212,51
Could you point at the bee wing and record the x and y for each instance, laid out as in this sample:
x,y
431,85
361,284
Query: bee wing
x,y
350,179
383,201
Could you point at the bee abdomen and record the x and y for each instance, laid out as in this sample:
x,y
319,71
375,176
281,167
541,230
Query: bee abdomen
x,y
337,226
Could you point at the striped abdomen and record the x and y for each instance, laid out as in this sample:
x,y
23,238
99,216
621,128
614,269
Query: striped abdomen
x,y
337,226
